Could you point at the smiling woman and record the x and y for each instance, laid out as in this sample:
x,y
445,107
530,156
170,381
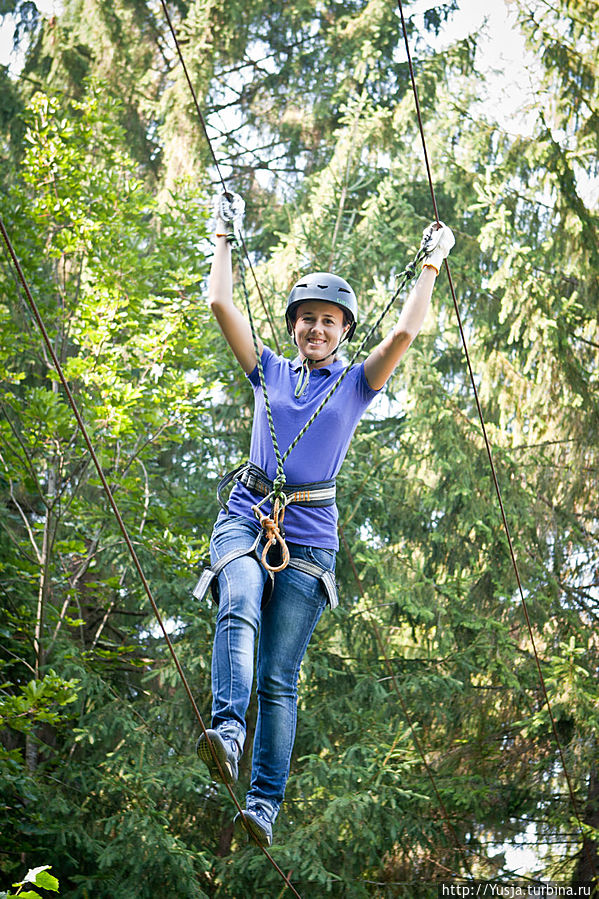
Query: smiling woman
x,y
319,329
321,313
281,604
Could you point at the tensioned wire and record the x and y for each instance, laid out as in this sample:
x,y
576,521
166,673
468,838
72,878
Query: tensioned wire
x,y
215,162
498,493
85,434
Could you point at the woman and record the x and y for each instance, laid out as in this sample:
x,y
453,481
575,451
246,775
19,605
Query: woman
x,y
321,313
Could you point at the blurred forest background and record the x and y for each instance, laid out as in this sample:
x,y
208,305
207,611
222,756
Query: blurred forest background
x,y
105,185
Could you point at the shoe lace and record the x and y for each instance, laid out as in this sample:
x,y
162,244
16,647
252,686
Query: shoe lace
x,y
262,810
232,745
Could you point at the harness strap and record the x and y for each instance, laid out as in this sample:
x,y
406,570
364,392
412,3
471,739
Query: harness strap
x,y
235,554
314,494
326,578
209,577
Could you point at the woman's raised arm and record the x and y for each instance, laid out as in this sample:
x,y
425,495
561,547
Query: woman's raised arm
x,y
234,325
381,363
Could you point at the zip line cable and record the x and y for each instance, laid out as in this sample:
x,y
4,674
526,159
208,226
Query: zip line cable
x,y
216,164
84,432
489,451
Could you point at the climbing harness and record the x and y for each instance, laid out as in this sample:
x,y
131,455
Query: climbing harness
x,y
316,494
311,495
209,576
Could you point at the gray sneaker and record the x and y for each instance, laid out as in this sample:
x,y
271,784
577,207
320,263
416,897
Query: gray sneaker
x,y
227,752
256,821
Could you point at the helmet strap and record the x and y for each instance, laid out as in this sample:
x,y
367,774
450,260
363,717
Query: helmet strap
x,y
304,377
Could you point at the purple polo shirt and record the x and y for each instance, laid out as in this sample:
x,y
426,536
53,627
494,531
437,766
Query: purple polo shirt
x,y
320,452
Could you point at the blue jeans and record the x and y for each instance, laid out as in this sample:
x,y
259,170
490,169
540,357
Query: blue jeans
x,y
284,627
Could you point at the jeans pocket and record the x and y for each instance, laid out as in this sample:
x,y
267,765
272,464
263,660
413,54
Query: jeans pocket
x,y
326,558
226,523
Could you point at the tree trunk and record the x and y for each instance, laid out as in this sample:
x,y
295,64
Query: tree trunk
x,y
587,867
31,743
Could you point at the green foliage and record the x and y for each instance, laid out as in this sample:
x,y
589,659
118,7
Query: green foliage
x,y
432,750
115,273
39,877
37,701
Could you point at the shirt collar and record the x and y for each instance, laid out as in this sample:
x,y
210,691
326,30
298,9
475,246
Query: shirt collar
x,y
325,369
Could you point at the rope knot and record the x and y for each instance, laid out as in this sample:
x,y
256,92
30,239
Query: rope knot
x,y
410,270
271,525
277,489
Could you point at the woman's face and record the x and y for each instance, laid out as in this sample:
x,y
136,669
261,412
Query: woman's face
x,y
318,330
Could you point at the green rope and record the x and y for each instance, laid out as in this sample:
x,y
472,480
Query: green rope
x,y
405,276
279,479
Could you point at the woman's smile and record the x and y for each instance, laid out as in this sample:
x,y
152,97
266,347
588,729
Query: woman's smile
x,y
319,329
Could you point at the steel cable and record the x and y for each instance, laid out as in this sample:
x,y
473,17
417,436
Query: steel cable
x,y
106,487
216,164
488,446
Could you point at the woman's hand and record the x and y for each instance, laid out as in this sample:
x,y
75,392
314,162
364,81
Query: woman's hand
x,y
437,241
228,210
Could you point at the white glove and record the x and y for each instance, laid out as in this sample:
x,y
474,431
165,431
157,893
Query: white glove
x,y
436,243
228,208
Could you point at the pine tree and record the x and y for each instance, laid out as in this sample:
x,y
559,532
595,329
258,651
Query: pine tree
x,y
432,770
